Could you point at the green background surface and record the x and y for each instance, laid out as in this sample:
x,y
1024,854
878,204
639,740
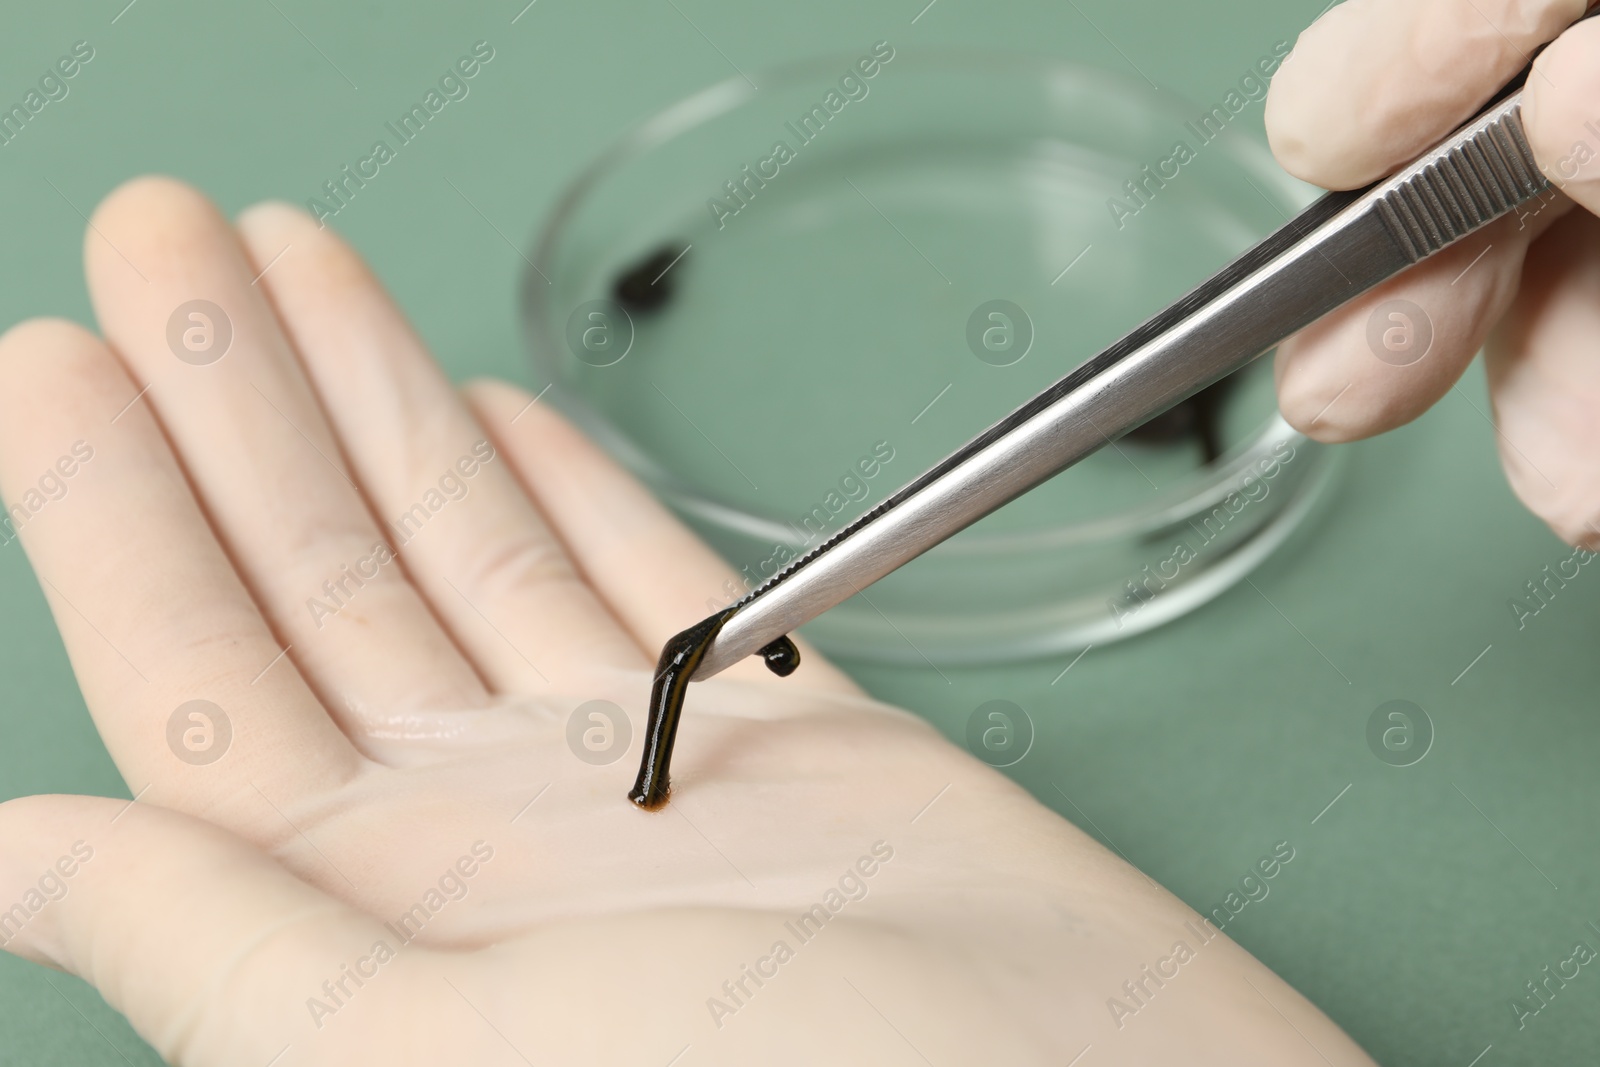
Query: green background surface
x,y
1416,906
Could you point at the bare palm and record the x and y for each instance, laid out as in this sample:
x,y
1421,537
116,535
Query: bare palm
x,y
376,837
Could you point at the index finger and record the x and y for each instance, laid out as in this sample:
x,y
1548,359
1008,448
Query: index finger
x,y
1373,83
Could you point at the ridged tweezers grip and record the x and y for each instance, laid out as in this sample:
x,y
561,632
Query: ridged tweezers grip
x,y
1486,175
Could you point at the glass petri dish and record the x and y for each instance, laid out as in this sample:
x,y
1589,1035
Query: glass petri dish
x,y
778,306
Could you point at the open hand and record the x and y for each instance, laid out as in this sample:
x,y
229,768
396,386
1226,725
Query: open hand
x,y
379,838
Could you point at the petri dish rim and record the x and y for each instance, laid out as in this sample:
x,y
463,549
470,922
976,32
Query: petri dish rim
x,y
1151,514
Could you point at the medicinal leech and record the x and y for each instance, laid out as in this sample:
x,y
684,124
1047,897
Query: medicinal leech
x,y
680,658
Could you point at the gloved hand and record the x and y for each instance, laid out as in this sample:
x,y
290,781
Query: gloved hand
x,y
382,839
1369,87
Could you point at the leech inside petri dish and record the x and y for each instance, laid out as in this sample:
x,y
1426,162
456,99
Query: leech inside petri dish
x,y
1199,417
647,285
680,657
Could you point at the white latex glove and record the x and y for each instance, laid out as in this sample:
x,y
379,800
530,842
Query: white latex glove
x,y
410,751
1369,87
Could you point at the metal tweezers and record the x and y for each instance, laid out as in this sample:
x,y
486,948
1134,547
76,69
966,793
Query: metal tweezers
x,y
1342,245
1338,248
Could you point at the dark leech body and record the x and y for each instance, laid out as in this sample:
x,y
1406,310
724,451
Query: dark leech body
x,y
647,285
1199,417
680,658
781,657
